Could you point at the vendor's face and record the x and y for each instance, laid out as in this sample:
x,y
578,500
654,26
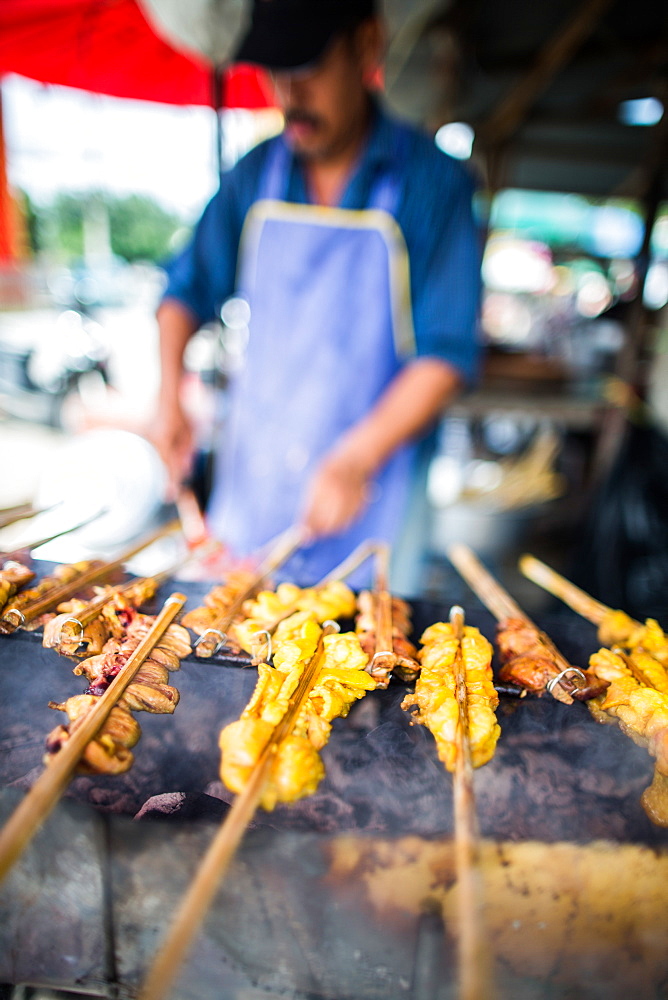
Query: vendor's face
x,y
326,108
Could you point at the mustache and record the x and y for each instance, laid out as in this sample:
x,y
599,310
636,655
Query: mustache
x,y
295,116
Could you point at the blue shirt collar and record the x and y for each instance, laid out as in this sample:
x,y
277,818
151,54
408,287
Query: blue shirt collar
x,y
379,150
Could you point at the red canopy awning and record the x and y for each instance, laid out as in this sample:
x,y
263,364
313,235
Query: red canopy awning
x,y
109,47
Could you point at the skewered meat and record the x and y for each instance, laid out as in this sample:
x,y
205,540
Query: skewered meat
x,y
618,629
13,576
297,768
167,656
109,752
530,660
62,633
102,668
648,670
333,599
435,693
218,601
642,714
282,611
646,644
403,662
61,575
268,605
158,699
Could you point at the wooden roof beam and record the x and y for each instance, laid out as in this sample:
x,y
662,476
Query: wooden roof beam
x,y
557,52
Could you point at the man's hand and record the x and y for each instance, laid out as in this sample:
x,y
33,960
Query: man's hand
x,y
342,484
174,439
337,493
172,432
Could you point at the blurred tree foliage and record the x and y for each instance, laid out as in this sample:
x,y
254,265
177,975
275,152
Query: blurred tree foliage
x,y
134,227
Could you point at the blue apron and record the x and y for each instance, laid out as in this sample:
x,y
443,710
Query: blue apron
x,y
330,326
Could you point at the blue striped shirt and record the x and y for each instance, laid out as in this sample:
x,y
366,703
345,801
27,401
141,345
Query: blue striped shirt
x,y
434,213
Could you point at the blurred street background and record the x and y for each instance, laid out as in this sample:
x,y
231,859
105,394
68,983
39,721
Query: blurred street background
x,y
104,190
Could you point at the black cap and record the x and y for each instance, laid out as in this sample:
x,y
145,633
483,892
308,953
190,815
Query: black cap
x,y
293,34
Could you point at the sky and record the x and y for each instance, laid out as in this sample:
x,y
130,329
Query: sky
x,y
60,139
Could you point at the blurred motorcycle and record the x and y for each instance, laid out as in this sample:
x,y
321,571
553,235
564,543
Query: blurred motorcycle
x,y
45,356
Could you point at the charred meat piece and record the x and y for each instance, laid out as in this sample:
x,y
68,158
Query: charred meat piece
x,y
13,576
109,752
402,659
530,660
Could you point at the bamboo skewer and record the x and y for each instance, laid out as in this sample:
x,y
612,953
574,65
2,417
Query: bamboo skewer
x,y
491,593
579,600
21,512
384,658
61,592
42,797
29,546
472,958
74,625
198,898
214,636
582,603
499,602
352,562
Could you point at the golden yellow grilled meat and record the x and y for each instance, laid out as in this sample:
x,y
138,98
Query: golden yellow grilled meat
x,y
618,629
218,601
435,693
641,711
297,769
642,714
283,610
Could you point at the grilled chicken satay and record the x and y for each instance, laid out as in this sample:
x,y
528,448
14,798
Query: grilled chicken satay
x,y
109,752
405,663
615,628
435,693
297,769
63,632
217,602
13,576
642,714
619,629
282,611
530,660
61,575
148,691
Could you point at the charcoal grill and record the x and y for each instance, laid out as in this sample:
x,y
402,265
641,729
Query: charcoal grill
x,y
346,895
